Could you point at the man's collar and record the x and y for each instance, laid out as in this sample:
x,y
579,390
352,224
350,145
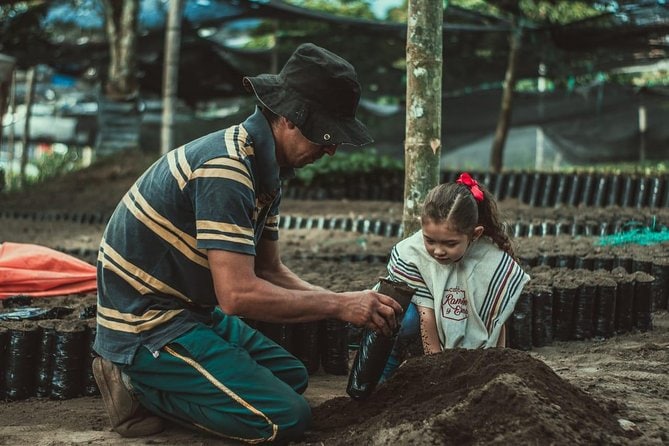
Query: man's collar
x,y
269,172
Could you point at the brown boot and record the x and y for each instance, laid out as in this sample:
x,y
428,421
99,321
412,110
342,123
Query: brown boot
x,y
128,417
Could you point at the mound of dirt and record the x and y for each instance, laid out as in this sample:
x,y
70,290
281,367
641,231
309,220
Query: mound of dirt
x,y
469,397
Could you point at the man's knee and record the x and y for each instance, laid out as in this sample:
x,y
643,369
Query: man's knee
x,y
293,419
286,418
301,378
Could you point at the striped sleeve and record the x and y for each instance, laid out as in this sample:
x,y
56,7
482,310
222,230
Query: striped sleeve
x,y
405,271
503,292
271,228
222,191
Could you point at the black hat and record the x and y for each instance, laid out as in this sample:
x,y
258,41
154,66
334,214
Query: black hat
x,y
317,91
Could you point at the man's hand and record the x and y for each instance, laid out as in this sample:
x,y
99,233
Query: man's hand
x,y
370,309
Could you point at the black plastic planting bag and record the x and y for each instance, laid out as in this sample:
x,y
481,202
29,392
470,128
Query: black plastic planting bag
x,y
334,346
542,316
520,323
375,348
44,370
605,308
22,350
4,340
68,364
88,385
305,346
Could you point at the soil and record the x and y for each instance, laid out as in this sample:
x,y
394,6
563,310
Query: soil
x,y
595,391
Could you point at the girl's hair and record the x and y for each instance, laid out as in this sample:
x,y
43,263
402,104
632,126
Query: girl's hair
x,y
454,203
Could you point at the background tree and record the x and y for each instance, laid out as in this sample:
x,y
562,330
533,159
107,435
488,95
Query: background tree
x,y
171,74
502,129
548,12
121,17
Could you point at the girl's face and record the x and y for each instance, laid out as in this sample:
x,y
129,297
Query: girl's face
x,y
444,244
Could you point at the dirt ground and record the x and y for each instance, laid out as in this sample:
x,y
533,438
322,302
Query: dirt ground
x,y
597,391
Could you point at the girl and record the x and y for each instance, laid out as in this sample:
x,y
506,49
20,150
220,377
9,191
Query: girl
x,y
462,266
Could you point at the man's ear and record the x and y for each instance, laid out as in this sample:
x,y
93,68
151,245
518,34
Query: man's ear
x,y
285,121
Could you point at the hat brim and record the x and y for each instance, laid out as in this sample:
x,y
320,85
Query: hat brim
x,y
315,123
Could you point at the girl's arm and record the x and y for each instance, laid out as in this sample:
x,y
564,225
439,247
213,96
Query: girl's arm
x,y
428,331
501,341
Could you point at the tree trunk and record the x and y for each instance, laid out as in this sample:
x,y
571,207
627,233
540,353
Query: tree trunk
x,y
171,74
121,23
25,146
497,150
422,146
119,119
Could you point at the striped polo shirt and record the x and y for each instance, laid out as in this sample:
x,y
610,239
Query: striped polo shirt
x,y
221,191
471,299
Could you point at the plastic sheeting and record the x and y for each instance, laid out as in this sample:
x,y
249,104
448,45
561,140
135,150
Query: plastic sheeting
x,y
38,271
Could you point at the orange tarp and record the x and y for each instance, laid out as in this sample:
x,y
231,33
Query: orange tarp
x,y
34,270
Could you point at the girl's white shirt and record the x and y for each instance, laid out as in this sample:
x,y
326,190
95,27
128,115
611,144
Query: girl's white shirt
x,y
471,298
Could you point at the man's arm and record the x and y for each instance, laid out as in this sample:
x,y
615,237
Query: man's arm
x,y
240,291
268,266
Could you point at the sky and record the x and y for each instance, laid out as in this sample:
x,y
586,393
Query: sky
x,y
380,7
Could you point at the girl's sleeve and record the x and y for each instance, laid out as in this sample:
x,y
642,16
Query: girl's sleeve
x,y
501,299
403,270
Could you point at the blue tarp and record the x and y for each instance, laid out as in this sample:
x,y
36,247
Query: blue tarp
x,y
89,14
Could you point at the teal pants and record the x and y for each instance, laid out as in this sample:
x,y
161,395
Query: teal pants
x,y
227,379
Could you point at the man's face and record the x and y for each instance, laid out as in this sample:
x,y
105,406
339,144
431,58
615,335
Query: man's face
x,y
293,149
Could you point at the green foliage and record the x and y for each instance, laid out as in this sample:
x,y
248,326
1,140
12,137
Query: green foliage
x,y
480,6
12,183
648,168
545,11
352,8
656,78
48,166
362,161
398,13
53,165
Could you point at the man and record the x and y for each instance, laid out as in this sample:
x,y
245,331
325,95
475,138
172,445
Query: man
x,y
199,229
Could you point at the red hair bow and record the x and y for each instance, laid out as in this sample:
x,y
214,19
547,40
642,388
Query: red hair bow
x,y
472,184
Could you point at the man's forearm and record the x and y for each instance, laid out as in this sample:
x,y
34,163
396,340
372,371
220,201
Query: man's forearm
x,y
288,305
269,291
285,278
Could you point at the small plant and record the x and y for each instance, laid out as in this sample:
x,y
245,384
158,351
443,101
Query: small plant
x,y
47,166
52,165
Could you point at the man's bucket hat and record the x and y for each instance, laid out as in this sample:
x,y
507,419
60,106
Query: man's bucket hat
x,y
317,91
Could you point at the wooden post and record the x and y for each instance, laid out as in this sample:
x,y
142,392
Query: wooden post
x,y
12,127
642,133
30,96
6,77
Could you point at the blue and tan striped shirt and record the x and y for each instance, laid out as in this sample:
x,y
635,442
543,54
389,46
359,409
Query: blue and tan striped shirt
x,y
221,191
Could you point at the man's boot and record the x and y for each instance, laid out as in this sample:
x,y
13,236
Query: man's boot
x,y
128,417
